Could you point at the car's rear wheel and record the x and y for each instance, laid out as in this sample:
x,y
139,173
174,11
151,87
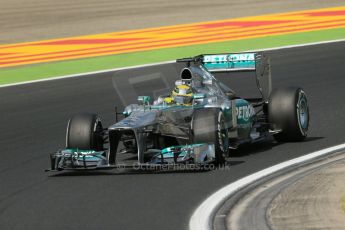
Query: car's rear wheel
x,y
288,111
209,127
85,132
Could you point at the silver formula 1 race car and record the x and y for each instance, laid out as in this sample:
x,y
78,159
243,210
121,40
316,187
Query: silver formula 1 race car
x,y
196,124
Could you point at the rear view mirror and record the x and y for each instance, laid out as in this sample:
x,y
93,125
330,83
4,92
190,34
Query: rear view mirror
x,y
207,82
144,100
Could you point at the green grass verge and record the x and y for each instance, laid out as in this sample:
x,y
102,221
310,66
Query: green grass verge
x,y
54,69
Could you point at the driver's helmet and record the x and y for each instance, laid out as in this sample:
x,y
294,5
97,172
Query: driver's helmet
x,y
182,95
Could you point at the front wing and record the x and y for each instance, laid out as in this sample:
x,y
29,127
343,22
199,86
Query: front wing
x,y
191,156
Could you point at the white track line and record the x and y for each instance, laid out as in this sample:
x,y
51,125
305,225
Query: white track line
x,y
202,217
155,64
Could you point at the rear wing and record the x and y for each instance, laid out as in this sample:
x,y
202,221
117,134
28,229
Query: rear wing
x,y
234,62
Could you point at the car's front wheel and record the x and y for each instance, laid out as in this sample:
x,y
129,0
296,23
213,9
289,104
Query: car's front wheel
x,y
209,127
85,132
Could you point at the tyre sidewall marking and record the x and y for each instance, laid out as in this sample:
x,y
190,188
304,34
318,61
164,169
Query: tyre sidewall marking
x,y
97,121
67,132
93,134
219,131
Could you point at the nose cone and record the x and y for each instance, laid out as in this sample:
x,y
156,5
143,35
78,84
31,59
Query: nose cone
x,y
137,119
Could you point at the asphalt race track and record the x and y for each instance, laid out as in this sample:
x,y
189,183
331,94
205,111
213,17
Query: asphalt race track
x,y
33,121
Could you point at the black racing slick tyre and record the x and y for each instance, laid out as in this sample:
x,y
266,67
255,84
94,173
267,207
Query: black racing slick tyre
x,y
288,112
208,126
85,132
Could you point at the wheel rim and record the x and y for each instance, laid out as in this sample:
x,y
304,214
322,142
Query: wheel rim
x,y
303,113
